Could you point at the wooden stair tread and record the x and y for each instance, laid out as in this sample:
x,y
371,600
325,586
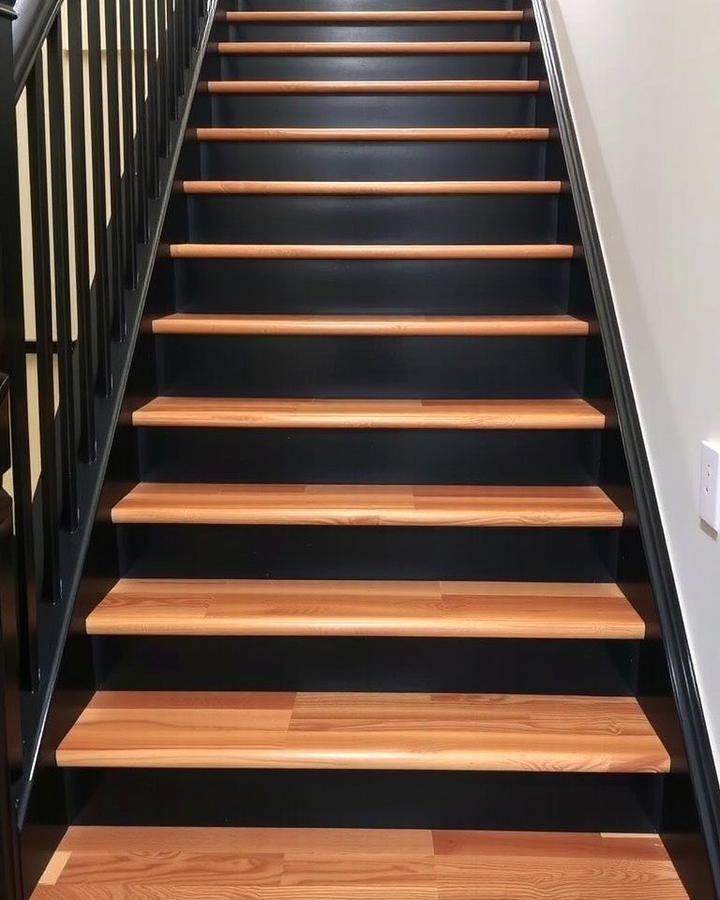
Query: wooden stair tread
x,y
366,504
360,16
230,323
428,86
207,186
367,134
312,730
159,606
369,251
273,412
349,864
320,48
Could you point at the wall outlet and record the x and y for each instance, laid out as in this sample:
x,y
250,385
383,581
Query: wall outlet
x,y
710,486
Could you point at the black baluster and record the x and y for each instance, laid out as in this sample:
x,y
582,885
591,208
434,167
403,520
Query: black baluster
x,y
152,99
103,280
141,194
117,238
86,330
52,589
128,128
61,259
162,81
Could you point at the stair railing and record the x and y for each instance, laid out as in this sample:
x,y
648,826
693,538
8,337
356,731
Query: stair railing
x,y
94,98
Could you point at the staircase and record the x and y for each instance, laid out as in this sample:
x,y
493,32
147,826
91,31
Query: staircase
x,y
365,597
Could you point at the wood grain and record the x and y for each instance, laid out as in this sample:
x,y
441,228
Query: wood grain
x,y
365,504
273,412
159,606
468,732
175,863
362,16
366,48
445,86
368,187
369,251
367,134
390,326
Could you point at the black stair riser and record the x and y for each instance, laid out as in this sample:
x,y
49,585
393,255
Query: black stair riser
x,y
478,219
343,67
364,160
595,667
425,287
364,110
371,456
369,31
493,554
318,366
494,800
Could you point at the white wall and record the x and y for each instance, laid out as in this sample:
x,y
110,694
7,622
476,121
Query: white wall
x,y
642,81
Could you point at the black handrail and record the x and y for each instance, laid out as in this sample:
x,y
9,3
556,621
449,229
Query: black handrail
x,y
107,224
34,19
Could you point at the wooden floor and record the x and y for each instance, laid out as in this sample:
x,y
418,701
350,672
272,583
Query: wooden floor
x,y
382,608
111,863
365,504
278,412
449,732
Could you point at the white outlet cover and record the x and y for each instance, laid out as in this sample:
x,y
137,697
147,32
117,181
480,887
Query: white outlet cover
x,y
710,485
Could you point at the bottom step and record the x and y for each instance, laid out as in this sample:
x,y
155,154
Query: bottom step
x,y
354,864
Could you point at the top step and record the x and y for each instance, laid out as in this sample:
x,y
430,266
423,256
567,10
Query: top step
x,y
367,16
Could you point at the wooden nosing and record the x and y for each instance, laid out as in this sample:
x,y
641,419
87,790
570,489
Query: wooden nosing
x,y
367,48
368,134
349,730
366,505
269,607
369,251
445,86
274,412
368,187
389,326
339,16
